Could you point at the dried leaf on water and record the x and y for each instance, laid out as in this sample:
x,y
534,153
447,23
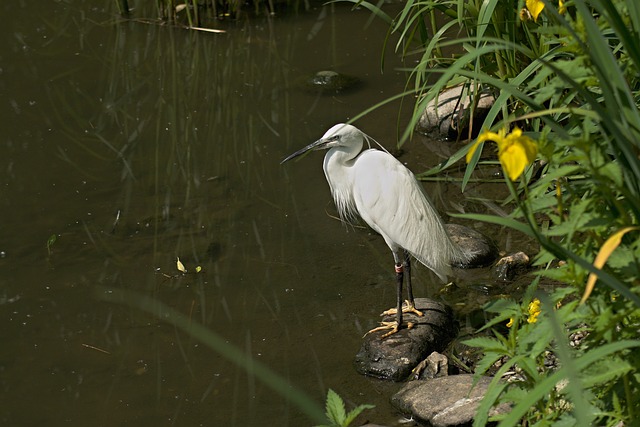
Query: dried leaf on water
x,y
180,266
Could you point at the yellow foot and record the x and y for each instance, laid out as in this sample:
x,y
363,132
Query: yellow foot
x,y
393,326
408,307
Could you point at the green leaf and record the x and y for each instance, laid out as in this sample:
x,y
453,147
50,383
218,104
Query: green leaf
x,y
613,172
355,412
486,344
335,408
487,361
606,371
488,401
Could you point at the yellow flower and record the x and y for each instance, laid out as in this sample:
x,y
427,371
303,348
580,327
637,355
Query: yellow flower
x,y
534,311
515,151
535,7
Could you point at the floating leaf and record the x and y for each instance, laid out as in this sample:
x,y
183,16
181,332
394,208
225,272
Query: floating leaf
x,y
605,251
198,269
180,266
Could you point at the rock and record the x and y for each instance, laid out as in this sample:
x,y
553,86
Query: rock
x,y
509,266
330,82
394,357
484,249
435,365
449,115
443,401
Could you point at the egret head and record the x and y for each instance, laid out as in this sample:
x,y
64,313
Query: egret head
x,y
340,135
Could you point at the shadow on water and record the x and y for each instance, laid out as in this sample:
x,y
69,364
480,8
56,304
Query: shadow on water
x,y
135,144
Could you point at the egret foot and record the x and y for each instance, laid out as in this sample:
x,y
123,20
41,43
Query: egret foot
x,y
393,326
408,307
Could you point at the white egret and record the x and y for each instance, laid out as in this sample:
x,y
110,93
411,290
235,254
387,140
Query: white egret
x,y
386,195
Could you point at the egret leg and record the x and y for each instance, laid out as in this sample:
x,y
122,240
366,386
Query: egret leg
x,y
394,327
411,306
408,307
399,280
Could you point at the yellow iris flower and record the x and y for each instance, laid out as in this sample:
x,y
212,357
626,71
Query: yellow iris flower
x,y
535,7
515,151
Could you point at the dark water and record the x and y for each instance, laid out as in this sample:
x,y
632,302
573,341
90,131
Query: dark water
x,y
135,144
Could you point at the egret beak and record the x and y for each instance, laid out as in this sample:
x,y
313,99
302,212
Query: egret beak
x,y
318,145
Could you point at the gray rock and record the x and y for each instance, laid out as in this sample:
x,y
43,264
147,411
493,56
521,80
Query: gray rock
x,y
435,365
394,357
443,401
484,249
449,115
509,266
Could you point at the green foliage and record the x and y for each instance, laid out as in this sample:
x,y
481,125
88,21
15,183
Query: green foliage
x,y
586,191
571,80
573,389
336,413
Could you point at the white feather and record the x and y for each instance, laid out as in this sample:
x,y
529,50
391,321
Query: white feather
x,y
387,196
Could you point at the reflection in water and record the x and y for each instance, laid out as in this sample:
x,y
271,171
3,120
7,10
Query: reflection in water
x,y
179,135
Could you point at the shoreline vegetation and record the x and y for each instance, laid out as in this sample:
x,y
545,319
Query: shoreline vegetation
x,y
566,122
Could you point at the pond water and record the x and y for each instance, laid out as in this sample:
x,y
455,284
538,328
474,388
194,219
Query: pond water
x,y
126,145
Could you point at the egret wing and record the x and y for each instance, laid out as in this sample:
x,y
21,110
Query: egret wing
x,y
390,199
